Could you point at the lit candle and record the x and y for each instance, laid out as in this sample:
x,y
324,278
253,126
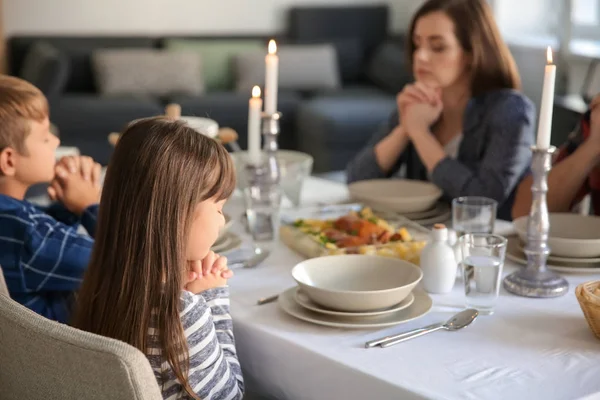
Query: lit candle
x,y
545,122
254,117
271,77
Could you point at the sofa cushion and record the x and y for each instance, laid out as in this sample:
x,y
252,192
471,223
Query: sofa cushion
x,y
46,68
368,24
150,72
301,67
388,68
86,120
216,57
334,129
350,56
78,50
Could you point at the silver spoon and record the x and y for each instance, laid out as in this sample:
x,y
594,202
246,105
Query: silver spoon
x,y
459,321
259,256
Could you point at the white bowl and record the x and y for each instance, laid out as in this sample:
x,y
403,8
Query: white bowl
x,y
356,283
294,167
571,235
397,195
205,126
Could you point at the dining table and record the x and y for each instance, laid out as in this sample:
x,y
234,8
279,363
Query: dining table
x,y
528,349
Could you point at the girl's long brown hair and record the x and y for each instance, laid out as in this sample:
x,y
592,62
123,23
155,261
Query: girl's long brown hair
x,y
160,170
493,66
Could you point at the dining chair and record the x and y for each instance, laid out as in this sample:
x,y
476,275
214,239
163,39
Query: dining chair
x,y
42,359
3,287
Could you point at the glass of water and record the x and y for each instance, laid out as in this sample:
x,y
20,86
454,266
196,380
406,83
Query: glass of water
x,y
473,215
263,204
482,262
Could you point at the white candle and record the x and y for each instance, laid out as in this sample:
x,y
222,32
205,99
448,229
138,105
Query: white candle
x,y
545,122
271,77
254,118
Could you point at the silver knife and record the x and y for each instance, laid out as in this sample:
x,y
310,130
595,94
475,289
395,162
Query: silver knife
x,y
377,342
266,300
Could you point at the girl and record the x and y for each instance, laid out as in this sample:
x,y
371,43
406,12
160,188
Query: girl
x,y
463,124
160,213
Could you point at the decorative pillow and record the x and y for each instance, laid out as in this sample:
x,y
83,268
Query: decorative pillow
x,y
46,68
388,68
147,72
350,55
301,67
216,58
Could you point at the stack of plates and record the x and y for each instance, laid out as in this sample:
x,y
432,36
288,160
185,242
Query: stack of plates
x,y
415,200
355,291
574,242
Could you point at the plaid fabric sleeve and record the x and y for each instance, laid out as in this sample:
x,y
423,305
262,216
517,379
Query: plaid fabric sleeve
x,y
60,213
54,256
89,218
575,139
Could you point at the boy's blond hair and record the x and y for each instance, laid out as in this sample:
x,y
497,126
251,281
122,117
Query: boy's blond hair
x,y
20,103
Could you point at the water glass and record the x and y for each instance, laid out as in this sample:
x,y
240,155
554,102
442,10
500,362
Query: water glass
x,y
473,215
482,261
263,204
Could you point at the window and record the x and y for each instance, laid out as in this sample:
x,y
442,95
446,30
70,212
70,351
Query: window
x,y
530,21
540,23
585,19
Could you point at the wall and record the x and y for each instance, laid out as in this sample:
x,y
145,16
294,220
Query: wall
x,y
169,16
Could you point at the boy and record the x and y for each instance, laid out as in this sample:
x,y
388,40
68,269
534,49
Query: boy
x,y
41,254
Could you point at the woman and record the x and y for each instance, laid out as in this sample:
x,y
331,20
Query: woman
x,y
463,124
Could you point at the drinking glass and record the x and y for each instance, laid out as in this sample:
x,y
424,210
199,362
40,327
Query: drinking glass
x,y
473,215
482,261
263,204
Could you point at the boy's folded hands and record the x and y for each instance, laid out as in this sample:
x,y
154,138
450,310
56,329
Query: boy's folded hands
x,y
77,183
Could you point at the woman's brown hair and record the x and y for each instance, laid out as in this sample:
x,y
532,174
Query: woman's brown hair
x,y
492,66
160,170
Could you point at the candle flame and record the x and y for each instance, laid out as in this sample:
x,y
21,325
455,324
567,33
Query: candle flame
x,y
549,55
272,47
256,92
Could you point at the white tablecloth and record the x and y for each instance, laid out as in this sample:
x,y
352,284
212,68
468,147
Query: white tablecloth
x,y
529,349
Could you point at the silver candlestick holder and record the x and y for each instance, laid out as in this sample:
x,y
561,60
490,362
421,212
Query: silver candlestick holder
x,y
263,193
267,171
536,280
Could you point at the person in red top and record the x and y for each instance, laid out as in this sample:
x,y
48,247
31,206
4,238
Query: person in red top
x,y
576,169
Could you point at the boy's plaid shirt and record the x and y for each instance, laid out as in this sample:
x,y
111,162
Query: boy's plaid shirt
x,y
42,255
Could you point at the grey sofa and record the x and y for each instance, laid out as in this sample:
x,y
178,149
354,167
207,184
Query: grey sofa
x,y
331,126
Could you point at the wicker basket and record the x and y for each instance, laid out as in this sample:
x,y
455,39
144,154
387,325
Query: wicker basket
x,y
588,295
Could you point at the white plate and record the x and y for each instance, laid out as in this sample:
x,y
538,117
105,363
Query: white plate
x,y
446,217
514,254
571,235
440,208
302,299
420,307
571,260
399,195
228,242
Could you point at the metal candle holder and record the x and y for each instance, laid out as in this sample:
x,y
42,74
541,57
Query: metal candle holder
x,y
270,131
267,171
536,280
